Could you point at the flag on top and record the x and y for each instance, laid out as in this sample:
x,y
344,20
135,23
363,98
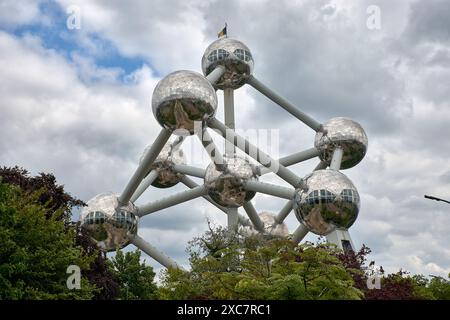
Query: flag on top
x,y
223,32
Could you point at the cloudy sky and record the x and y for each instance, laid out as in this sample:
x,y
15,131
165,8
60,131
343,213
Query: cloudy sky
x,y
76,102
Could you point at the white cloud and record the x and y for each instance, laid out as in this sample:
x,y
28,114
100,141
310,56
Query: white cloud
x,y
15,13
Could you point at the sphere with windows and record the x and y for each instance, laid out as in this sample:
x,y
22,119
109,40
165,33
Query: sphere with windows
x,y
326,200
182,100
169,156
225,184
234,56
108,223
345,134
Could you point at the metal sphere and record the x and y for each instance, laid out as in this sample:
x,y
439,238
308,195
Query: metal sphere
x,y
181,99
234,56
326,201
346,134
226,187
279,230
164,162
108,223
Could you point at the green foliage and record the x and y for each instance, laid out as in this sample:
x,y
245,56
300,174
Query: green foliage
x,y
228,265
433,288
36,249
51,195
136,280
56,200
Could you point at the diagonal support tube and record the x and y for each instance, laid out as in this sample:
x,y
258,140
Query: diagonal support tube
x,y
253,215
299,233
189,170
144,185
211,148
286,105
144,166
284,212
153,252
188,182
215,75
321,166
294,159
171,200
270,189
255,153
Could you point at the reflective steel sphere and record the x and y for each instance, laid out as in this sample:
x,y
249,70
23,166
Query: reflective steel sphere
x,y
107,223
344,133
280,230
164,162
226,187
182,98
234,56
326,201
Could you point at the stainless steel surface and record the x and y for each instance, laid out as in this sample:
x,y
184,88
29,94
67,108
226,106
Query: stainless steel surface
x,y
108,223
228,104
144,167
299,233
164,163
268,226
272,227
233,218
294,158
188,182
226,186
284,212
211,149
182,98
270,189
153,252
346,134
336,159
321,166
254,217
326,201
215,75
234,56
189,170
255,153
170,201
148,180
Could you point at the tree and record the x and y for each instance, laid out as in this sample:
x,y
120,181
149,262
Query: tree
x,y
231,265
439,287
136,280
37,249
56,200
395,286
99,273
52,195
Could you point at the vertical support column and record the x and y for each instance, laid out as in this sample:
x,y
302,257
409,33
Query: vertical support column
x,y
341,238
228,99
228,102
336,159
232,218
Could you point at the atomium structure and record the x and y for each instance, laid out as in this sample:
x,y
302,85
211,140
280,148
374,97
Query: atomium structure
x,y
184,103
